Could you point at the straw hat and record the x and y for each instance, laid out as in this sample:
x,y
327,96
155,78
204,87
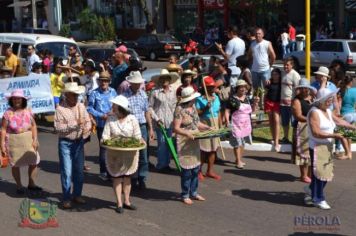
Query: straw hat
x,y
324,94
322,70
189,72
104,76
122,102
135,77
304,83
90,63
165,73
17,93
73,87
209,81
188,94
241,82
173,68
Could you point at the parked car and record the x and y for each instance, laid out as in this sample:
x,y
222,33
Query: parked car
x,y
36,31
153,46
326,51
184,63
98,55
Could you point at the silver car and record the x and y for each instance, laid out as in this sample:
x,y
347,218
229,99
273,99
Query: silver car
x,y
324,52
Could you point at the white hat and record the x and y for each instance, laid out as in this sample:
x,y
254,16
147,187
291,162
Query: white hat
x,y
322,70
188,94
121,101
241,82
135,77
304,83
324,94
72,87
189,72
165,73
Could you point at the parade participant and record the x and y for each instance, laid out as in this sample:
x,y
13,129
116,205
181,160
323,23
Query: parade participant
x,y
187,81
186,123
122,164
348,112
138,102
118,73
11,61
290,80
301,105
272,105
89,79
100,107
73,125
234,48
57,84
162,103
19,140
321,125
208,107
242,63
240,109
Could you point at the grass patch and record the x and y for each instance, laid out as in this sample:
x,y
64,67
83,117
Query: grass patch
x,y
263,134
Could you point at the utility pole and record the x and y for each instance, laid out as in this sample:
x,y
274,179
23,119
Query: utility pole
x,y
34,14
307,39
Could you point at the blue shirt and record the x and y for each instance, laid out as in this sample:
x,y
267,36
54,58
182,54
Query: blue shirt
x,y
118,75
329,85
138,104
201,103
99,104
348,101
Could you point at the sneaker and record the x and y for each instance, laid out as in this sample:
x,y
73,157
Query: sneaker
x,y
286,141
103,176
322,205
307,190
308,201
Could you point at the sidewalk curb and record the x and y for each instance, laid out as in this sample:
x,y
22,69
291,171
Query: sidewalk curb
x,y
263,147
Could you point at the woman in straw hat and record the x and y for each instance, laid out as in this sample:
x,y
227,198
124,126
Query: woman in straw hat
x,y
321,125
240,109
19,140
186,123
122,164
301,105
162,103
187,80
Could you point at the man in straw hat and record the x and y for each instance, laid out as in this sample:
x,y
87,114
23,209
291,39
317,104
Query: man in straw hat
x,y
72,123
100,107
139,103
162,103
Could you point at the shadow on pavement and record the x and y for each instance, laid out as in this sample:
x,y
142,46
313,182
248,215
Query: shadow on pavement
x,y
312,233
282,198
272,159
263,175
10,190
156,195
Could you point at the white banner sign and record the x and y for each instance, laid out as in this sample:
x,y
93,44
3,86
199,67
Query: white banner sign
x,y
37,87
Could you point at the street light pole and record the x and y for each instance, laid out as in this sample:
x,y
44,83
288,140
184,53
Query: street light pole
x,y
34,14
307,39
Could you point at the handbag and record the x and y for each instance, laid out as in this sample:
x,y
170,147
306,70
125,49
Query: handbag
x,y
4,161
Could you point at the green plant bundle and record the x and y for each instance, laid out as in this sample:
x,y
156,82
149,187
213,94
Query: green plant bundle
x,y
212,133
124,142
258,92
347,133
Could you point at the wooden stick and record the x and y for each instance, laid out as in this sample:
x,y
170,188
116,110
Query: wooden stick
x,y
212,117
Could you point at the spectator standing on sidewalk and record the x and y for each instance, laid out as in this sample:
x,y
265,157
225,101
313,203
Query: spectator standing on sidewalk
x,y
284,42
100,107
234,48
292,37
32,58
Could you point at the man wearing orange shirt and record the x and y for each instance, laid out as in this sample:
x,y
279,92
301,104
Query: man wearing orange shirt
x,y
11,61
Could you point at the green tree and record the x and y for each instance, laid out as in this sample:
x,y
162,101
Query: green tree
x,y
152,16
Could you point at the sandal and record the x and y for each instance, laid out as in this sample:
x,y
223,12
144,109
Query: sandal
x,y
213,176
198,198
201,176
305,179
187,201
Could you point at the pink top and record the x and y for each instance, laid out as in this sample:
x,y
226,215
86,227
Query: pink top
x,y
19,121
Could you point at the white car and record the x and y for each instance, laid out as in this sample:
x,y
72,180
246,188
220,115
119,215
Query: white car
x,y
324,52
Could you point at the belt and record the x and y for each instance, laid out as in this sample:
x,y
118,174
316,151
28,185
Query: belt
x,y
71,140
143,124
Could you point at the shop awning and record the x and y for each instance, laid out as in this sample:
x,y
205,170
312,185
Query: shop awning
x,y
20,4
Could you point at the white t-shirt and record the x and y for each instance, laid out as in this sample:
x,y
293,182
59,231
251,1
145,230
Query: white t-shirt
x,y
31,60
326,125
234,48
260,56
289,82
284,38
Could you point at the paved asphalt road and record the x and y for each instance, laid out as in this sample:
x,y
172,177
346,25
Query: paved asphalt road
x,y
266,198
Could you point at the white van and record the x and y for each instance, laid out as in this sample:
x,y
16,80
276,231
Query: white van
x,y
59,46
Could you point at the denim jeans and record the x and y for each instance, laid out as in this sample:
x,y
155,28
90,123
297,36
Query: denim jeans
x,y
143,160
71,161
102,151
285,50
259,78
316,186
292,46
189,182
163,153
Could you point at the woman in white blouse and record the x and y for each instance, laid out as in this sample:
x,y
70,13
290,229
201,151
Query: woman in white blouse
x,y
122,164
